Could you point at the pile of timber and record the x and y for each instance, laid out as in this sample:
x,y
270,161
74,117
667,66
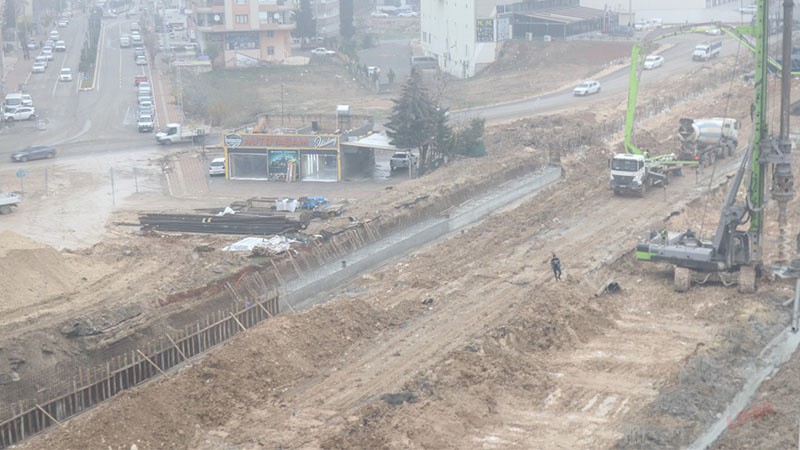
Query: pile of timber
x,y
248,224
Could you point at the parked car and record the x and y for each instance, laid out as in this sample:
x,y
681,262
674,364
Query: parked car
x,y
60,46
407,14
21,113
27,100
139,79
55,35
144,123
587,87
379,14
145,88
653,61
145,110
63,22
34,152
217,167
38,67
713,31
47,52
141,60
33,45
322,51
65,74
41,59
400,160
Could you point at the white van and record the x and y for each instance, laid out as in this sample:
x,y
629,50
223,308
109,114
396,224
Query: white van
x,y
12,101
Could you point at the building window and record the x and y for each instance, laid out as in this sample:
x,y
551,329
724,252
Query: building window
x,y
241,18
271,50
270,34
241,2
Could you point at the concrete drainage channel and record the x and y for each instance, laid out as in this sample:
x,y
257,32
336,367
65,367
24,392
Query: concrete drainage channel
x,y
302,293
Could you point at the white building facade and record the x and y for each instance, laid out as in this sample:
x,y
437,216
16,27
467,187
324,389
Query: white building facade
x,y
461,34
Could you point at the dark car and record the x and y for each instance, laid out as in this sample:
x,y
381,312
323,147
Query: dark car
x,y
34,152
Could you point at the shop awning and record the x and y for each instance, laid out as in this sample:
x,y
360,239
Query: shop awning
x,y
376,140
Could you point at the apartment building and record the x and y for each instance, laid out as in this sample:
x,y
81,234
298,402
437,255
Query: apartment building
x,y
247,32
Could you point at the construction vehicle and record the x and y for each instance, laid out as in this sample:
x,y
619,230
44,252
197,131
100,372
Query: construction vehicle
x,y
7,201
734,254
635,171
706,140
175,133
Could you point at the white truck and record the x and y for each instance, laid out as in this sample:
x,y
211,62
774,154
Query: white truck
x,y
175,133
632,173
706,140
7,201
706,51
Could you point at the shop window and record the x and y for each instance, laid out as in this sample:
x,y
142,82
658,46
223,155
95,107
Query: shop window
x,y
241,18
271,50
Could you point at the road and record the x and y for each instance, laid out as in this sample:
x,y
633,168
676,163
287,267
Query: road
x,y
614,84
79,123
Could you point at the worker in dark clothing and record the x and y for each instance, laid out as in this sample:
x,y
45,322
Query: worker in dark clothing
x,y
555,264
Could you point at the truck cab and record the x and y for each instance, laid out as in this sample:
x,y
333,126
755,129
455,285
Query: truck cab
x,y
627,172
171,133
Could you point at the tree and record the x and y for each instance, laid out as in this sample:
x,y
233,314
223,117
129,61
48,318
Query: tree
x,y
346,27
306,24
468,140
416,122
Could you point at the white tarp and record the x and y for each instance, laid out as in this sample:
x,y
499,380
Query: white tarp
x,y
286,204
275,244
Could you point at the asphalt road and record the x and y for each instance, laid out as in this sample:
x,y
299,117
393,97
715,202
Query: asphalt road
x,y
677,59
80,123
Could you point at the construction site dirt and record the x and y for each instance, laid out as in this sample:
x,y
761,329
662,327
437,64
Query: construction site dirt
x,y
468,342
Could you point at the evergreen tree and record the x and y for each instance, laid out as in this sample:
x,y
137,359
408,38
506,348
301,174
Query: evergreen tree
x,y
416,122
469,140
346,27
304,18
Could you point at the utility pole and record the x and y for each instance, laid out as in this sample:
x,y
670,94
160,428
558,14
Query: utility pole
x,y
281,107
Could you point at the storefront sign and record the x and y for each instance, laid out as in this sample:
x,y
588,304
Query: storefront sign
x,y
270,141
233,140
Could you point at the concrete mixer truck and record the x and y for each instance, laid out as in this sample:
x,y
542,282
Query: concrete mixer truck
x,y
706,140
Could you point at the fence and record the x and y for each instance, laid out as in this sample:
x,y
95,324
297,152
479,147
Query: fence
x,y
129,370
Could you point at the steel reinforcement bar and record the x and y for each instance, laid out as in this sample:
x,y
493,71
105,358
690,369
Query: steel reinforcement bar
x,y
102,383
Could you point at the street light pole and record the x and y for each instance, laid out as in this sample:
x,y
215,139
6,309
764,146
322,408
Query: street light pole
x,y
281,107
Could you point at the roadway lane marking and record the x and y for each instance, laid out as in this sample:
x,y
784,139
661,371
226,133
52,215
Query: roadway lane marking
x,y
119,31
99,59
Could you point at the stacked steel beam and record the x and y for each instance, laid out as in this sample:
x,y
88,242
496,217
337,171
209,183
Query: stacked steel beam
x,y
226,224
